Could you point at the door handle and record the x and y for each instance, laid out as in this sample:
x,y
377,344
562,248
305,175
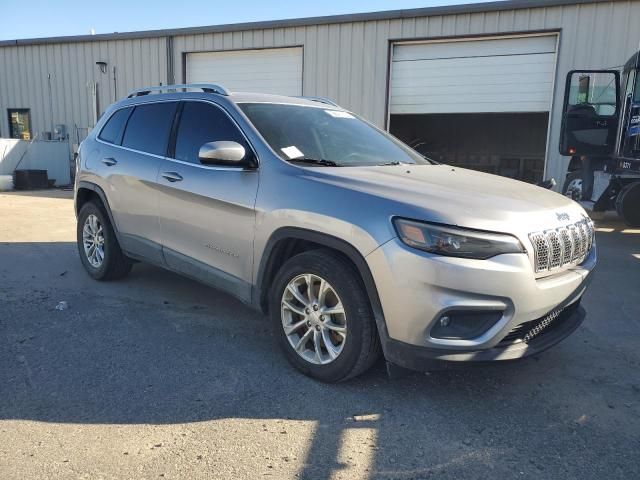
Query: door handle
x,y
172,176
109,162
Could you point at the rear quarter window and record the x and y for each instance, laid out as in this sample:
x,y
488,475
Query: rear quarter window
x,y
114,128
149,127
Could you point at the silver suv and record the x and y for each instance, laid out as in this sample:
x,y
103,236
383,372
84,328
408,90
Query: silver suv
x,y
351,242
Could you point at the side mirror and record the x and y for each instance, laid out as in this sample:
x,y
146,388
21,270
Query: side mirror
x,y
222,153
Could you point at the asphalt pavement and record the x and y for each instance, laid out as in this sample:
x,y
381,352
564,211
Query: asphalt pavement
x,y
157,376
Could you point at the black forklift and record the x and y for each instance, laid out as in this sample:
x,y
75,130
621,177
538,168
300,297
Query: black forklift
x,y
601,134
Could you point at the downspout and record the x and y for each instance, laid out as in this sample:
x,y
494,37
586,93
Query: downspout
x,y
115,86
50,103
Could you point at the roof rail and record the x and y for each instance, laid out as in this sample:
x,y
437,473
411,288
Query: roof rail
x,y
326,101
205,87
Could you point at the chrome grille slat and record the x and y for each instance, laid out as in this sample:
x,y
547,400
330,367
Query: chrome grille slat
x,y
555,246
560,247
567,245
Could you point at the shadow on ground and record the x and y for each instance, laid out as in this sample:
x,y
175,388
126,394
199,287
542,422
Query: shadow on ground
x,y
159,349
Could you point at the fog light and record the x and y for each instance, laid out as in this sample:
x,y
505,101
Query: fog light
x,y
465,324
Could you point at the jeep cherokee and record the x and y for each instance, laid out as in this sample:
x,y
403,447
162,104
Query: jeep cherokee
x,y
352,243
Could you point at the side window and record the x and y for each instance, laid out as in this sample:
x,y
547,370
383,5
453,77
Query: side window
x,y
593,93
201,123
114,128
149,127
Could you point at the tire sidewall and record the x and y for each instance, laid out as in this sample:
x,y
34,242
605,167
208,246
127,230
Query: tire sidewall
x,y
356,308
626,207
92,209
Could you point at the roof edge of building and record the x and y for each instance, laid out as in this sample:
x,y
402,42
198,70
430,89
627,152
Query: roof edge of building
x,y
307,21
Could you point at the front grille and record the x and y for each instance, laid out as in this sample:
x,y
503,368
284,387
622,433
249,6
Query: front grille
x,y
557,248
527,331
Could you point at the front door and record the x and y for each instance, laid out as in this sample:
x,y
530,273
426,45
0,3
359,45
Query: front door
x,y
207,215
591,113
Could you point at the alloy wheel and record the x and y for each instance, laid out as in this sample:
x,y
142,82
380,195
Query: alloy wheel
x,y
313,319
93,240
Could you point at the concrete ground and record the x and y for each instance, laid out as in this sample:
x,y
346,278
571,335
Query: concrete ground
x,y
157,376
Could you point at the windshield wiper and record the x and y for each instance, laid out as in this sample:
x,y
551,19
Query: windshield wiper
x,y
315,161
389,163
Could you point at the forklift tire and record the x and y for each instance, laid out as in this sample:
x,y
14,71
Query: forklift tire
x,y
572,187
628,204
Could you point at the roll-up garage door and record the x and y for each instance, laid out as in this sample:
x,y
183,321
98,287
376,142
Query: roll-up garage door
x,y
271,70
473,76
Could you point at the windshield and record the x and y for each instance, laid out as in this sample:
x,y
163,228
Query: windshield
x,y
326,137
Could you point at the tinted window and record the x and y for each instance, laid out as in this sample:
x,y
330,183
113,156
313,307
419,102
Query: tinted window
x,y
149,127
114,128
201,123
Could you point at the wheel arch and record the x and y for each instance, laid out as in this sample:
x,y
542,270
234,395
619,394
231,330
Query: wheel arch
x,y
575,164
85,192
288,241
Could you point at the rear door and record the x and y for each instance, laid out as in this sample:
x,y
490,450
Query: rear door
x,y
591,113
207,212
131,163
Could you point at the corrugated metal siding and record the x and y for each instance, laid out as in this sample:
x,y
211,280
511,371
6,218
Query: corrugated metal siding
x,y
345,61
24,82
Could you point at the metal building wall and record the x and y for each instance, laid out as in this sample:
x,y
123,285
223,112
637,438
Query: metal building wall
x,y
349,62
346,60
25,70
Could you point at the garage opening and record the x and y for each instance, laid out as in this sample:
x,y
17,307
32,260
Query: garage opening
x,y
508,144
481,104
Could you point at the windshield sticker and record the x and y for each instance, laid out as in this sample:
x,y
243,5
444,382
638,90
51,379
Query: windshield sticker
x,y
339,114
292,152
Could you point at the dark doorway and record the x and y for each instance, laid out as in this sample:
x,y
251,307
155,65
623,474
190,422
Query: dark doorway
x,y
508,144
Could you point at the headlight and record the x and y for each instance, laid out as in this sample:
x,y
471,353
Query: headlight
x,y
455,242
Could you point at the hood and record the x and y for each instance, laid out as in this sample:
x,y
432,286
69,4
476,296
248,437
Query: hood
x,y
457,196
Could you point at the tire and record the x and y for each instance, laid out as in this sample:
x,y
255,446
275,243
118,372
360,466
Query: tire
x,y
628,204
572,187
114,264
359,347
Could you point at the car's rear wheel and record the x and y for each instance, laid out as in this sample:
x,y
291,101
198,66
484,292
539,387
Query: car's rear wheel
x,y
322,317
572,187
98,246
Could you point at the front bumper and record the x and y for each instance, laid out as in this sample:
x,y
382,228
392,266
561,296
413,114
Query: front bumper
x,y
416,289
421,358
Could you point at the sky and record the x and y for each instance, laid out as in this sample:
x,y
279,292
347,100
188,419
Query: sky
x,y
49,18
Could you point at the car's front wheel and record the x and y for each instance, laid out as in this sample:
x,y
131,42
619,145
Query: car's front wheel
x,y
98,246
322,318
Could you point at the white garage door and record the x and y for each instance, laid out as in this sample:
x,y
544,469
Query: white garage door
x,y
497,75
273,70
